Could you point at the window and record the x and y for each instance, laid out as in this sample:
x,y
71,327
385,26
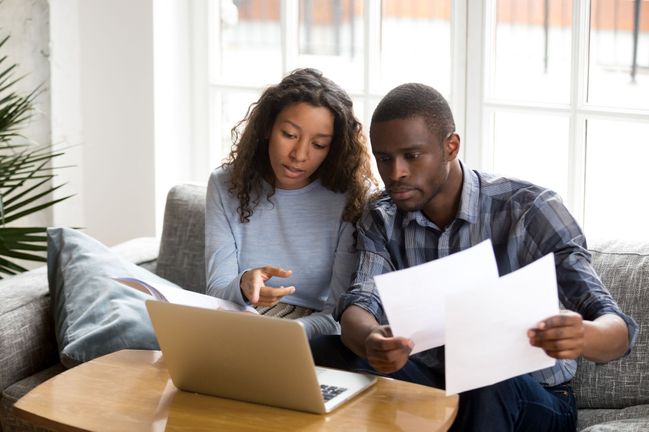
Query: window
x,y
552,91
366,46
565,104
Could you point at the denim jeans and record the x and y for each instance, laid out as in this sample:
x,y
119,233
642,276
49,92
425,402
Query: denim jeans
x,y
517,404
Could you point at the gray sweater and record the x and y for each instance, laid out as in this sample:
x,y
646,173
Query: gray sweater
x,y
299,230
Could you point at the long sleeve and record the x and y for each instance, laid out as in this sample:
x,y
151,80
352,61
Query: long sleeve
x,y
222,266
345,263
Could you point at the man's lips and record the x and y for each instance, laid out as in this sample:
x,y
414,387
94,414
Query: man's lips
x,y
401,192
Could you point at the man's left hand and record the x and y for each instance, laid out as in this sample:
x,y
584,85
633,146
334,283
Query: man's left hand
x,y
560,336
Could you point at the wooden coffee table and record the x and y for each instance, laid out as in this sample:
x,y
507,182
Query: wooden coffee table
x,y
130,390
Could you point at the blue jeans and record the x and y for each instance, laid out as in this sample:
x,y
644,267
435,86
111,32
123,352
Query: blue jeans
x,y
517,404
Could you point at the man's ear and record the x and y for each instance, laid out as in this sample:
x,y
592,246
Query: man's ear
x,y
452,146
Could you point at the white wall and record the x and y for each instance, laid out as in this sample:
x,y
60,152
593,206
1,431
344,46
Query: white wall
x,y
103,101
27,24
122,105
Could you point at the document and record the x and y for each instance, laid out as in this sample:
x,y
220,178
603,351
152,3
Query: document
x,y
414,299
486,327
174,294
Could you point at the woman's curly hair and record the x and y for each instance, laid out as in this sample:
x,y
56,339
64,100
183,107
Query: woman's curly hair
x,y
346,168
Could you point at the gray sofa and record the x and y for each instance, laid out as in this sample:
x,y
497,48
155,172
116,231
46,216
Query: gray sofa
x,y
611,397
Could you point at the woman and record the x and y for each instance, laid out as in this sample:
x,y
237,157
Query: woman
x,y
280,212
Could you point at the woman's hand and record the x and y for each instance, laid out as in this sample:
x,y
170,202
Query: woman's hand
x,y
253,285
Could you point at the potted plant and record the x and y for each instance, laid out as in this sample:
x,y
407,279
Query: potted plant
x,y
25,175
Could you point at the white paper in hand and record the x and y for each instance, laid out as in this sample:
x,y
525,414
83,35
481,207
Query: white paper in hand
x,y
486,327
414,299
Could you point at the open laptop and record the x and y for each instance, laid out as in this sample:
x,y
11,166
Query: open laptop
x,y
248,357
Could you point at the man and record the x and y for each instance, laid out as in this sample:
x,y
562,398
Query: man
x,y
433,206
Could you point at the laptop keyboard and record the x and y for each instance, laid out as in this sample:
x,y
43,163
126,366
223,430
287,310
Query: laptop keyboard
x,y
330,392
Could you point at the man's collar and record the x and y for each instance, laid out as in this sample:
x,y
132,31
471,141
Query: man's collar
x,y
469,202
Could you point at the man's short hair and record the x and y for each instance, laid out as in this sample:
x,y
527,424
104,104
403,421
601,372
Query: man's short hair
x,y
417,100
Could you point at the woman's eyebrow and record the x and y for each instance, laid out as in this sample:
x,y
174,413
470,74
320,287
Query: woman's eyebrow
x,y
297,126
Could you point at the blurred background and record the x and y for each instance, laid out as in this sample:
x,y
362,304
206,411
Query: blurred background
x,y
143,93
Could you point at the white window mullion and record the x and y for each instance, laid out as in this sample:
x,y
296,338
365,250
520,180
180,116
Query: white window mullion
x,y
290,12
476,147
371,56
201,63
579,88
459,64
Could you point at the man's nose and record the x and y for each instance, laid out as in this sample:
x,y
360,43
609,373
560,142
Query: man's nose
x,y
398,169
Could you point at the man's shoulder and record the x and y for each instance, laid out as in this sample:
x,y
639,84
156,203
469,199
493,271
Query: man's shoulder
x,y
380,210
511,189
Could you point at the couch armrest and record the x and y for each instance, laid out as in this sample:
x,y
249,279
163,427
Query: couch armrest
x,y
142,251
27,339
27,342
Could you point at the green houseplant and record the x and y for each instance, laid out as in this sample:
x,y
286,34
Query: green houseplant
x,y
25,175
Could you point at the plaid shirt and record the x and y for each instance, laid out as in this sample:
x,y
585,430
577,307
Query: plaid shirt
x,y
524,222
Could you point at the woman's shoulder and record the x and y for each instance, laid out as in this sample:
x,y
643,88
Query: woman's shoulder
x,y
220,178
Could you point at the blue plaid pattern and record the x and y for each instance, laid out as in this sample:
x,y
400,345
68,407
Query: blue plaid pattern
x,y
524,222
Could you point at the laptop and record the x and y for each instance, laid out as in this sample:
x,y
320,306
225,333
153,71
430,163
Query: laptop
x,y
248,357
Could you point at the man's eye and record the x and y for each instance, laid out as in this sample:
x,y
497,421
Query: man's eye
x,y
383,159
411,156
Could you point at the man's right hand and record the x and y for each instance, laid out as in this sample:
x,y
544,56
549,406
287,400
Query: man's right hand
x,y
362,334
253,285
387,353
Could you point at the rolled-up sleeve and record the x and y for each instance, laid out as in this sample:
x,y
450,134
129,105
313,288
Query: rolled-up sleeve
x,y
553,229
373,260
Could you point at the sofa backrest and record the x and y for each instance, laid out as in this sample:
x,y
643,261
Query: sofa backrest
x,y
624,269
182,246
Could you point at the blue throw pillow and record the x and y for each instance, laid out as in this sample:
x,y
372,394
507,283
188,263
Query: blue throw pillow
x,y
93,314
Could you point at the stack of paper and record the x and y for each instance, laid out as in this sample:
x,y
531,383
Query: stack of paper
x,y
461,302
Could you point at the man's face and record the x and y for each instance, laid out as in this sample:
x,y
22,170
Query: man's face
x,y
411,161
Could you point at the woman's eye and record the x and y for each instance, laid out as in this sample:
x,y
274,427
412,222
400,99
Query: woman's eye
x,y
319,146
288,135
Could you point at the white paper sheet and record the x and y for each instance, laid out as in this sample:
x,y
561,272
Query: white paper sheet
x,y
414,298
174,294
486,327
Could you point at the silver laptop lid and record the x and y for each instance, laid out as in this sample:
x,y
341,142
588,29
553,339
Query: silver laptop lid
x,y
237,355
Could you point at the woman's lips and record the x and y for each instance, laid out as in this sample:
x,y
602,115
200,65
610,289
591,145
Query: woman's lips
x,y
292,172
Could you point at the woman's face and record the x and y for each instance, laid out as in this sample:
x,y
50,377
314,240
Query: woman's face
x,y
299,142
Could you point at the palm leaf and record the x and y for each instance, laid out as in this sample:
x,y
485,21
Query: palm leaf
x,y
25,175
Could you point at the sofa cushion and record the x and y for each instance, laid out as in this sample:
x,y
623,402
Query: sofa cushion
x,y
14,392
624,269
630,425
182,247
93,314
27,342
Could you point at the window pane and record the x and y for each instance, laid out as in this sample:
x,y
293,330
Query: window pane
x,y
532,56
331,39
249,42
533,147
230,108
616,165
416,44
619,53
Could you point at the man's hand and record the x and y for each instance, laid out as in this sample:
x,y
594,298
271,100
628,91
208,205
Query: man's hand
x,y
253,286
385,352
561,336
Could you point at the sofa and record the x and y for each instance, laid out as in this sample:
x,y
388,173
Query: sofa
x,y
611,397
